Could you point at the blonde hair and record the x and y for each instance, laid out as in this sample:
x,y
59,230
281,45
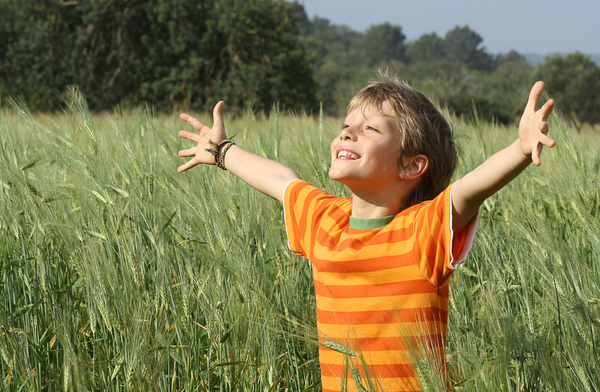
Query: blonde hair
x,y
423,131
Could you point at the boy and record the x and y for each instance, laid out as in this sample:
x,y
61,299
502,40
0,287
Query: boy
x,y
381,259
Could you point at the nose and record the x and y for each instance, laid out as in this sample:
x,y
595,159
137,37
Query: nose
x,y
347,134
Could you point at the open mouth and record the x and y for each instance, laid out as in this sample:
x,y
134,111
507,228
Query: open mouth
x,y
345,154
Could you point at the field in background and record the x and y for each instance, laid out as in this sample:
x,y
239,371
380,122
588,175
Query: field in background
x,y
117,273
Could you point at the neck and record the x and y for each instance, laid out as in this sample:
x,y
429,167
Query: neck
x,y
378,203
370,209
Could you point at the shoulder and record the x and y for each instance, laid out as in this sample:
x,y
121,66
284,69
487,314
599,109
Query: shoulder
x,y
307,210
302,198
441,201
430,210
296,185
300,190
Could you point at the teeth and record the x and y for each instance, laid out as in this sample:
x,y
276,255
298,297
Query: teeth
x,y
347,155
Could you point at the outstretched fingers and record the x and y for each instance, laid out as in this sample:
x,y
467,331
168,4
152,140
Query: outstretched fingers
x,y
188,165
189,136
190,152
202,128
534,124
534,96
547,141
546,109
193,121
537,151
543,140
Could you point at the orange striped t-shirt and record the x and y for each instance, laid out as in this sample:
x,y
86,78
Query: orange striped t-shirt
x,y
382,294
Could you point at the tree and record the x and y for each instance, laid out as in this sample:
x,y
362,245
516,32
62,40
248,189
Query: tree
x,y
164,52
325,40
428,48
383,43
36,40
574,83
461,45
338,59
264,60
507,86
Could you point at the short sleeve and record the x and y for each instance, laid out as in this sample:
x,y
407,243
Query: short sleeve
x,y
437,249
303,207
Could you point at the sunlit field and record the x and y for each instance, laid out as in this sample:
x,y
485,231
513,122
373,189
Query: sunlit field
x,y
118,273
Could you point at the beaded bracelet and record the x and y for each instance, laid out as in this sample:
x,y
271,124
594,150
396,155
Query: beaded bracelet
x,y
219,151
223,147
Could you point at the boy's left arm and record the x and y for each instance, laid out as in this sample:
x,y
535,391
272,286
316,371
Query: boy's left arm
x,y
501,168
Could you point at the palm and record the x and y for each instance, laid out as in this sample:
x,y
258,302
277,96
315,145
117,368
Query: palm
x,y
205,133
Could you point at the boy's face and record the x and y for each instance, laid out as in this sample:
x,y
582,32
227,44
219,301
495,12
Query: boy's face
x,y
366,152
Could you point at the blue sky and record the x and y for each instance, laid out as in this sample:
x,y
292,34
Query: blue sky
x,y
527,26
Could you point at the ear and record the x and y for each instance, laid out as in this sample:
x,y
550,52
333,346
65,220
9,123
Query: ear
x,y
413,167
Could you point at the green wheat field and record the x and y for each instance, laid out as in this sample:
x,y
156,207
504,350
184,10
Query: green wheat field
x,y
119,274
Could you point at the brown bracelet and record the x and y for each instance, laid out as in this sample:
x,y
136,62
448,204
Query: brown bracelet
x,y
219,151
214,149
223,147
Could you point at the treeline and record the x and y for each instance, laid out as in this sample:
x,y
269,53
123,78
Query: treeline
x,y
456,69
169,53
176,54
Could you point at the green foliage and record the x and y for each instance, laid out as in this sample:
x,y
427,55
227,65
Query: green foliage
x,y
428,48
472,94
36,43
175,54
268,63
574,82
462,45
383,43
456,70
163,52
118,273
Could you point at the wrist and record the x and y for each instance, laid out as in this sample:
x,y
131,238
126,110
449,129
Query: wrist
x,y
522,149
219,150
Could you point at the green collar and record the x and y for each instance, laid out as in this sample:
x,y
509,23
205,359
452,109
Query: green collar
x,y
370,224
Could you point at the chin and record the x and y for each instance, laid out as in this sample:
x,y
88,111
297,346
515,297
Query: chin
x,y
335,176
339,178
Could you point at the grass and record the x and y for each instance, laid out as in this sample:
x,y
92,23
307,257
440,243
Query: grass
x,y
117,273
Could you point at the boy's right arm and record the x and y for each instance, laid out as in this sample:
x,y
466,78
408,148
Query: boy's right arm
x,y
266,176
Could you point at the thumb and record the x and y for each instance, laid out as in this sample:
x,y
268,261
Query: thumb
x,y
218,114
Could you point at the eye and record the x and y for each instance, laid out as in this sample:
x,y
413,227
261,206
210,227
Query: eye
x,y
369,128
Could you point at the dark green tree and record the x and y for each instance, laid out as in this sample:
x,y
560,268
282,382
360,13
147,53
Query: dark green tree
x,y
36,43
507,86
574,83
336,50
265,60
428,48
129,52
498,95
165,52
468,80
383,43
462,45
327,41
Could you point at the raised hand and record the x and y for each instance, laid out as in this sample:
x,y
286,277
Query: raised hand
x,y
534,126
205,133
